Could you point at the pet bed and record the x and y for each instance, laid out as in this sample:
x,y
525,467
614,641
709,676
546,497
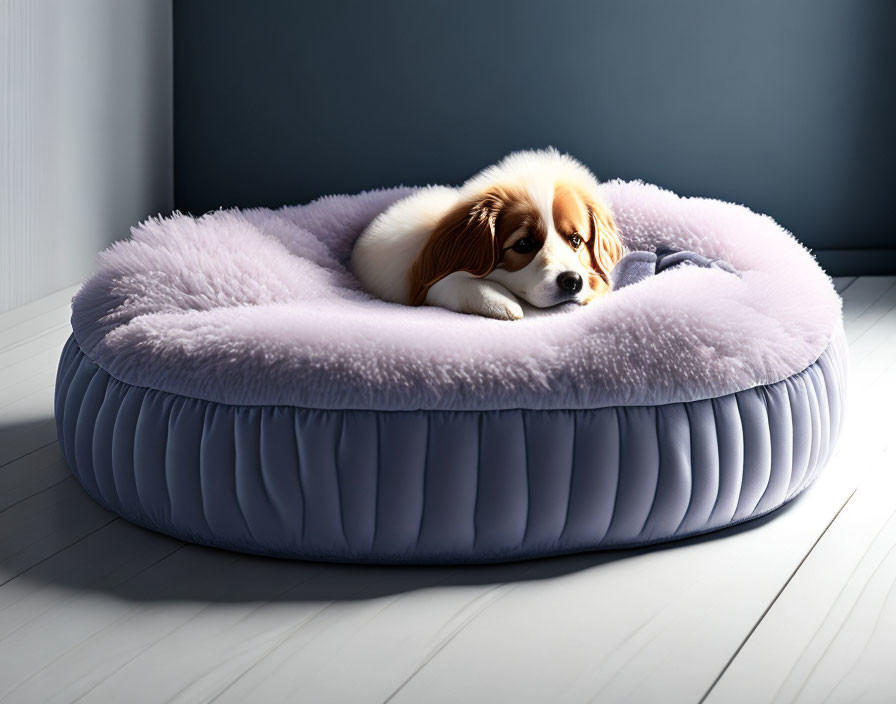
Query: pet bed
x,y
228,383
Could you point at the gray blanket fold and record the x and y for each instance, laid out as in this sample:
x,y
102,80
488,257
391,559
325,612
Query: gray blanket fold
x,y
640,265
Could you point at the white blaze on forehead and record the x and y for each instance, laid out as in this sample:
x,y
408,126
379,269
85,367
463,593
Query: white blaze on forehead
x,y
555,255
542,197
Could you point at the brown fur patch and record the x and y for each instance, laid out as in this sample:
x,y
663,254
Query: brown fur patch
x,y
471,237
604,243
576,212
570,213
519,219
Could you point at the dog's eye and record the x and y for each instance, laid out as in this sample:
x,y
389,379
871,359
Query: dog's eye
x,y
523,245
575,240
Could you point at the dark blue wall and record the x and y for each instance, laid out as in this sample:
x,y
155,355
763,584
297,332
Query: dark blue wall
x,y
785,106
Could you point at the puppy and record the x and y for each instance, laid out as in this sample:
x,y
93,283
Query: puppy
x,y
531,227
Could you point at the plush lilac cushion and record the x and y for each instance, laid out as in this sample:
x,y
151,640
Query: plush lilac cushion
x,y
257,307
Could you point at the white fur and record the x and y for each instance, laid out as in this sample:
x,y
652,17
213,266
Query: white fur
x,y
386,250
383,255
465,293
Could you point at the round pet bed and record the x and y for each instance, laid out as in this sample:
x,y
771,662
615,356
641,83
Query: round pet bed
x,y
228,383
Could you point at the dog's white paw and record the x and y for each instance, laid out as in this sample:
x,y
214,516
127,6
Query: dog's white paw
x,y
467,294
492,300
508,310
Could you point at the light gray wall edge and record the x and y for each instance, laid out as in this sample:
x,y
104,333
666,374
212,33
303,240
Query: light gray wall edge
x,y
86,126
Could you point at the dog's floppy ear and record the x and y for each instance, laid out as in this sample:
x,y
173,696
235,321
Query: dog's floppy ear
x,y
463,240
606,245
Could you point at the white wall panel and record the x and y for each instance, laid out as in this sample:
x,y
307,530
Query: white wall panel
x,y
85,134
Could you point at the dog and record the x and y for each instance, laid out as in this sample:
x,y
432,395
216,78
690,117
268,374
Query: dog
x,y
532,227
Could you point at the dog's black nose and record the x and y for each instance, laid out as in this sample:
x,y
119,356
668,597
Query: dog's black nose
x,y
569,282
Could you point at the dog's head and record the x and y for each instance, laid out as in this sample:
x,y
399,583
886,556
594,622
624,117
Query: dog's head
x,y
533,223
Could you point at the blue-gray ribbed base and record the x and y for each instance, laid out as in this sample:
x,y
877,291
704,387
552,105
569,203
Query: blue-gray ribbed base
x,y
443,486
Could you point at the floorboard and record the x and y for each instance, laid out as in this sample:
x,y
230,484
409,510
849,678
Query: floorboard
x,y
95,609
832,633
13,323
32,474
862,296
841,283
29,355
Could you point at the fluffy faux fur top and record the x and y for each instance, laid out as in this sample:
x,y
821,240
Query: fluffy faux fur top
x,y
258,307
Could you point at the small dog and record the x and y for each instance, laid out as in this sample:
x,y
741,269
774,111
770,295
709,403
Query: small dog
x,y
531,227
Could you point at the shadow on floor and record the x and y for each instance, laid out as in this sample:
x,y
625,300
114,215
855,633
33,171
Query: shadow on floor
x,y
21,438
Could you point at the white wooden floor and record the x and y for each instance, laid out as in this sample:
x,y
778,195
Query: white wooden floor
x,y
800,606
